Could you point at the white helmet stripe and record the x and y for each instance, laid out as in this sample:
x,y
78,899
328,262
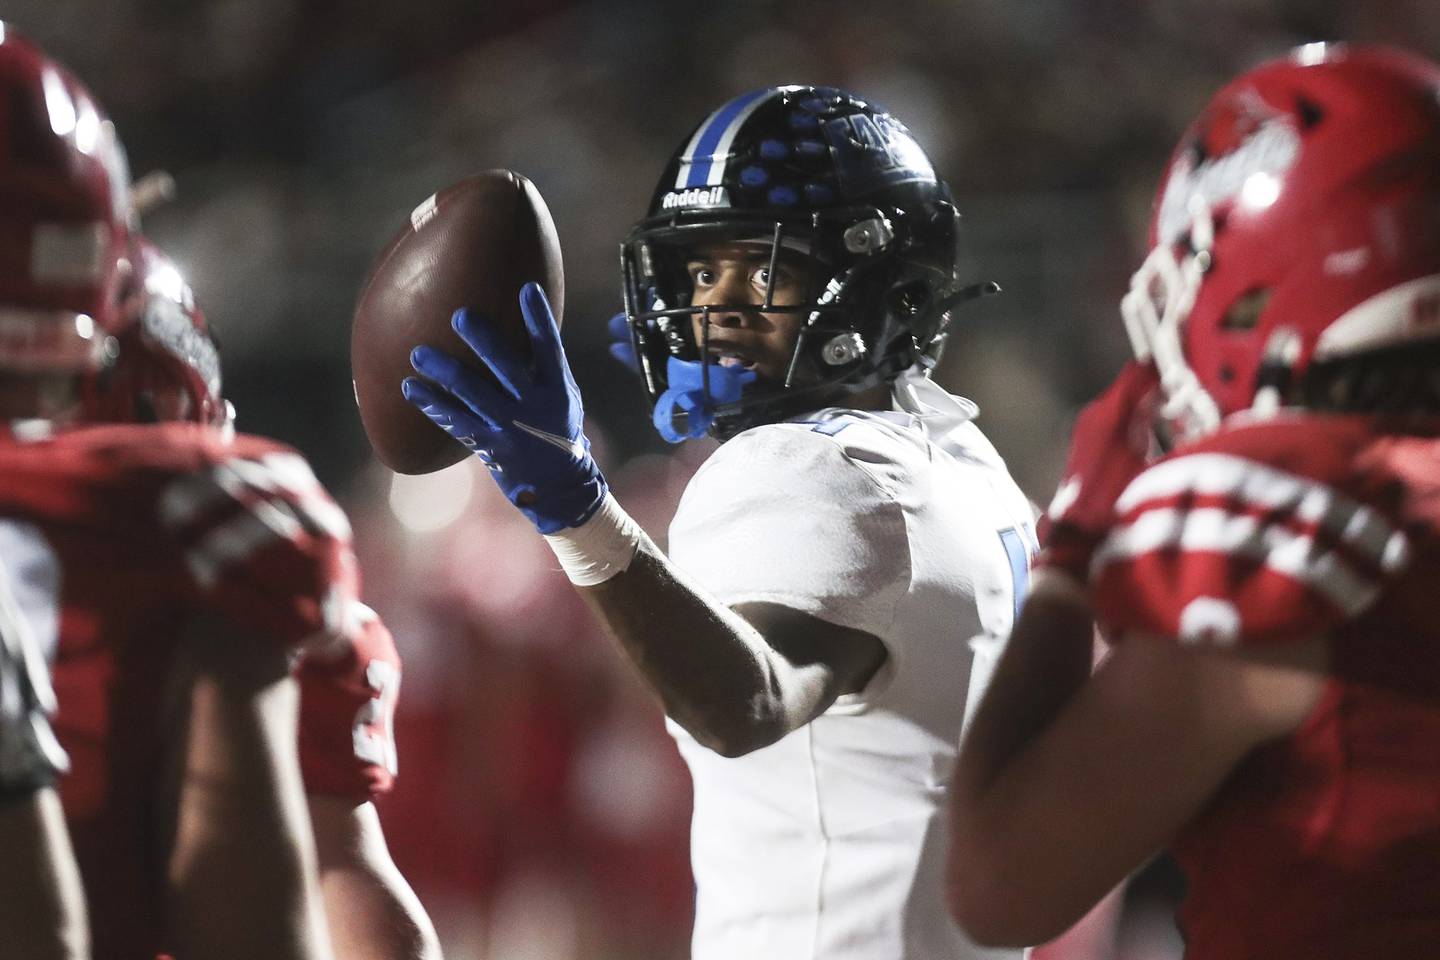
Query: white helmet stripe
x,y
704,161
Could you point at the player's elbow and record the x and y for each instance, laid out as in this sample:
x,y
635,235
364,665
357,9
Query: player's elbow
x,y
736,726
735,740
737,733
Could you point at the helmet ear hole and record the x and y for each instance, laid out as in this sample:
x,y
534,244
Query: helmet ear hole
x,y
1244,314
1309,112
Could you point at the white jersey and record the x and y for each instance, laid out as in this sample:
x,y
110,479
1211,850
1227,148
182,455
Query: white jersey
x,y
30,756
831,843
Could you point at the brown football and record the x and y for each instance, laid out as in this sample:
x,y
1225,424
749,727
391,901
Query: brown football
x,y
474,244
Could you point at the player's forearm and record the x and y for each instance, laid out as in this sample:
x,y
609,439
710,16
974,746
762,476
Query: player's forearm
x,y
241,833
1046,661
371,911
714,672
368,923
42,906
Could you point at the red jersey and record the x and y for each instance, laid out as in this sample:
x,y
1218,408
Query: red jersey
x,y
115,537
1322,844
347,714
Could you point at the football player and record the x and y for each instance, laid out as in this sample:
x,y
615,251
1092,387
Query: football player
x,y
168,370
1271,703
42,905
167,568
849,557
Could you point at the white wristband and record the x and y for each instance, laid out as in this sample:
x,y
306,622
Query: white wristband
x,y
600,547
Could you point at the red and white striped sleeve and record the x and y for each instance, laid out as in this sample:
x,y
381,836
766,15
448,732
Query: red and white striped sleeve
x,y
347,715
266,546
1219,548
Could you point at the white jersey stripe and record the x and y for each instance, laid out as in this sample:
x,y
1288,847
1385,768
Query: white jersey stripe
x,y
1254,484
265,522
1217,530
713,139
27,699
255,485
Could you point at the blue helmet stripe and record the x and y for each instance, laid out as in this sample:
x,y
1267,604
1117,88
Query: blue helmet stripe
x,y
698,166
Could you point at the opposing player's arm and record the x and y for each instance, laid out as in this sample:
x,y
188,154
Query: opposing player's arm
x,y
1066,784
348,758
42,901
268,557
241,834
736,680
372,912
42,904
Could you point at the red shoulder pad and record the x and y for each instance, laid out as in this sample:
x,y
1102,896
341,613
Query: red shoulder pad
x,y
347,714
263,542
1214,545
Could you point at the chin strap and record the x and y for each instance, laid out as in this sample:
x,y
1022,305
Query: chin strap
x,y
688,395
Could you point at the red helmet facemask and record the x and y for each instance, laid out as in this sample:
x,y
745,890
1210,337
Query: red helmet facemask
x,y
65,217
1299,221
167,366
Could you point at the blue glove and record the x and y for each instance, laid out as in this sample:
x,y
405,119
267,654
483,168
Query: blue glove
x,y
528,428
622,345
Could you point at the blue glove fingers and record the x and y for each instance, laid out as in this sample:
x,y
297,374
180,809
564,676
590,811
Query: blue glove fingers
x,y
470,386
551,367
488,343
447,411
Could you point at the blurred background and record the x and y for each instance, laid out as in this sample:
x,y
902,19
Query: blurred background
x,y
541,812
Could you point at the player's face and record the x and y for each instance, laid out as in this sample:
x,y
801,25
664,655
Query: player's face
x,y
734,277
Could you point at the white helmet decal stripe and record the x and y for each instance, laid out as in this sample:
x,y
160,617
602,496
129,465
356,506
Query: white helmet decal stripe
x,y
1406,312
1270,150
711,143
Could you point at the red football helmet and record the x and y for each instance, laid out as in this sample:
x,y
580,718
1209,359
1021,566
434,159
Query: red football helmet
x,y
1299,221
65,216
166,364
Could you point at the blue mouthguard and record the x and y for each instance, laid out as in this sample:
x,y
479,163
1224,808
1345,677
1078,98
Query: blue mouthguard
x,y
687,395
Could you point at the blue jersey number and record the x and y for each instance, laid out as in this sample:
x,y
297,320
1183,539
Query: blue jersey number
x,y
1014,542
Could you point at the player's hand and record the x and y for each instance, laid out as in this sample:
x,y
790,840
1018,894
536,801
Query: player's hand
x,y
1109,447
525,423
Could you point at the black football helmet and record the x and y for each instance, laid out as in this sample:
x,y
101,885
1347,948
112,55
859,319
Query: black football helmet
x,y
813,169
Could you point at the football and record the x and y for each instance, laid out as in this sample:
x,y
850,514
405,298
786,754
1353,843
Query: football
x,y
474,245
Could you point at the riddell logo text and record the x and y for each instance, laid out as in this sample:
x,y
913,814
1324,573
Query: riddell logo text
x,y
696,197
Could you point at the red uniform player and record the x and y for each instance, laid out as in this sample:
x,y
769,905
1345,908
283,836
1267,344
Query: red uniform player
x,y
119,538
348,690
175,572
1271,703
223,798
1263,536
